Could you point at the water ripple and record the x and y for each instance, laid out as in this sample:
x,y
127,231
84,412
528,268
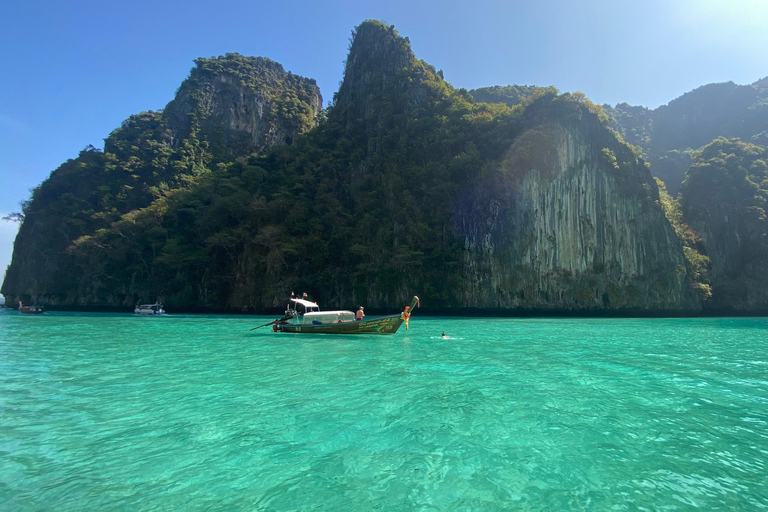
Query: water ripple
x,y
103,412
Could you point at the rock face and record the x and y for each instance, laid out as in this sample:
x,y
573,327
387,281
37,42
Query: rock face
x,y
228,108
242,105
723,199
575,224
384,86
738,253
408,185
670,133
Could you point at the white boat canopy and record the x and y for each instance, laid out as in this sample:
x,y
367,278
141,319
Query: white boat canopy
x,y
305,303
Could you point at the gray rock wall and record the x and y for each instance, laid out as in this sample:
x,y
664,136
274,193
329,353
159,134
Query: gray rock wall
x,y
238,119
571,229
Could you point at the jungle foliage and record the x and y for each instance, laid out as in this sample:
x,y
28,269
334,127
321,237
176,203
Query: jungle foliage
x,y
510,95
724,197
359,208
669,135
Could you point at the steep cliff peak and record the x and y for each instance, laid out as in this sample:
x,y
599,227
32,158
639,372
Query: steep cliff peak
x,y
762,84
258,73
381,63
377,56
241,105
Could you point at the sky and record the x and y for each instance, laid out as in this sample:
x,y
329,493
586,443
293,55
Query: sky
x,y
73,71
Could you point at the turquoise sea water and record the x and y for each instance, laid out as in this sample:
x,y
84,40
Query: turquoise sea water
x,y
116,412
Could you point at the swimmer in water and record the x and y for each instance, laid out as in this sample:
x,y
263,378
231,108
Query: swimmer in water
x,y
444,336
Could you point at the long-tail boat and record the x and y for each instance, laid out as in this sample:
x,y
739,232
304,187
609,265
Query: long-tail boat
x,y
31,310
304,316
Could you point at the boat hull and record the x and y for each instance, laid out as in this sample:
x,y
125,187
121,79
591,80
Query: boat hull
x,y
32,310
381,325
149,310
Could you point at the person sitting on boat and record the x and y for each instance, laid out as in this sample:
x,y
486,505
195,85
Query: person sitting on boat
x,y
360,314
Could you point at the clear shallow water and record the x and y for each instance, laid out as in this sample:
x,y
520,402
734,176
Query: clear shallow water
x,y
116,412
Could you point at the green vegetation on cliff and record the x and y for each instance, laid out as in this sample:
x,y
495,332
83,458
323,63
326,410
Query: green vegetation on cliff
x,y
151,156
241,191
697,262
358,210
240,105
510,95
724,198
669,134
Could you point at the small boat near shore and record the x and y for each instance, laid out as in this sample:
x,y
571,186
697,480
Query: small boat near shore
x,y
149,310
31,310
304,316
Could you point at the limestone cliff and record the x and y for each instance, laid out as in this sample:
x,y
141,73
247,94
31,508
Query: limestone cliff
x,y
408,186
385,87
228,108
669,134
723,199
572,223
242,105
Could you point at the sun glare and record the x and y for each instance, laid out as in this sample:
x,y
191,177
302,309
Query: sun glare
x,y
727,18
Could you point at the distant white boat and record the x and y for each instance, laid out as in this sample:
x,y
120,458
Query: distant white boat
x,y
149,309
